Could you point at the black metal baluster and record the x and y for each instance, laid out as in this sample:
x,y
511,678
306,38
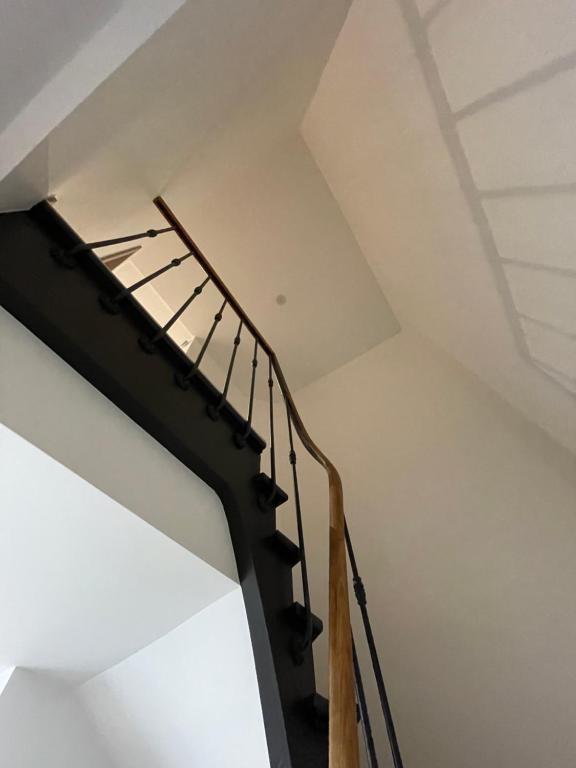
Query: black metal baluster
x,y
300,645
360,593
266,501
149,344
67,258
184,381
112,303
365,715
214,410
241,437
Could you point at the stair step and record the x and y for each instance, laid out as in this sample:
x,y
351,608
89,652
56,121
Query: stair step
x,y
285,548
315,709
296,617
270,496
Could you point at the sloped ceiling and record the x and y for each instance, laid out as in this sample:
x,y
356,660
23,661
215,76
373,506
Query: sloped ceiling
x,y
208,114
445,130
52,56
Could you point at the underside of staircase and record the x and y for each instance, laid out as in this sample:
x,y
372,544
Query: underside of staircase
x,y
62,306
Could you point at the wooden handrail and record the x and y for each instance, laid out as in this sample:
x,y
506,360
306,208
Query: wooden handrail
x,y
343,731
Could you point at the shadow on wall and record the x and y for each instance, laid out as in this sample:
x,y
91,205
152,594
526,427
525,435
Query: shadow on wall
x,y
527,230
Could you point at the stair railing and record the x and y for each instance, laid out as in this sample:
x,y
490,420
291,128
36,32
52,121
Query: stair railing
x,y
361,599
345,681
343,732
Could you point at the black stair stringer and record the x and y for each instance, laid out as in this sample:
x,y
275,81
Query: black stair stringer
x,y
61,307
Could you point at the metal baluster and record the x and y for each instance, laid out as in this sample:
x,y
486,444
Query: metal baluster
x,y
366,725
214,410
184,381
149,344
241,437
267,500
360,593
112,303
67,258
300,646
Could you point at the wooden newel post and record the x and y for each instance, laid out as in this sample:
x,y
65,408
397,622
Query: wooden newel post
x,y
343,729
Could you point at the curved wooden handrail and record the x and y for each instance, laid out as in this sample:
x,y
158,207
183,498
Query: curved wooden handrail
x,y
343,732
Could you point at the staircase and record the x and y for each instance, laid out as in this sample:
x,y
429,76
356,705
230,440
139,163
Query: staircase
x,y
55,285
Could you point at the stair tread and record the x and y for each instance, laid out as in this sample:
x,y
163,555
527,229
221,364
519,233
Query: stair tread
x,y
296,616
265,487
285,548
315,710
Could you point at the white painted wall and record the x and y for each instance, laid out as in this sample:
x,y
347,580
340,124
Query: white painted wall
x,y
54,56
409,178
34,47
191,698
84,583
269,224
42,726
48,403
5,676
118,646
463,519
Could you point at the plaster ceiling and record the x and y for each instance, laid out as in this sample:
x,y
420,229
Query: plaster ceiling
x,y
445,131
52,56
207,113
33,48
61,611
208,64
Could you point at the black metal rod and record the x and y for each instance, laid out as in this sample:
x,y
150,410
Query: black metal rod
x,y
307,639
148,343
82,247
215,410
360,593
145,280
365,715
241,437
272,442
217,317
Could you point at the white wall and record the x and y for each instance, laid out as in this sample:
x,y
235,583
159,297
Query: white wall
x,y
463,518
34,47
84,583
266,220
409,178
5,675
42,726
48,403
53,57
191,698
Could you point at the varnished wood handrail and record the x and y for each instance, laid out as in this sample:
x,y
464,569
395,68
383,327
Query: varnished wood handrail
x,y
343,731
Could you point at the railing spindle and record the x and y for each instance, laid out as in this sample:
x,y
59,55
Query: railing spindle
x,y
149,344
112,303
270,498
214,410
241,437
365,715
343,732
184,381
360,592
301,644
67,258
